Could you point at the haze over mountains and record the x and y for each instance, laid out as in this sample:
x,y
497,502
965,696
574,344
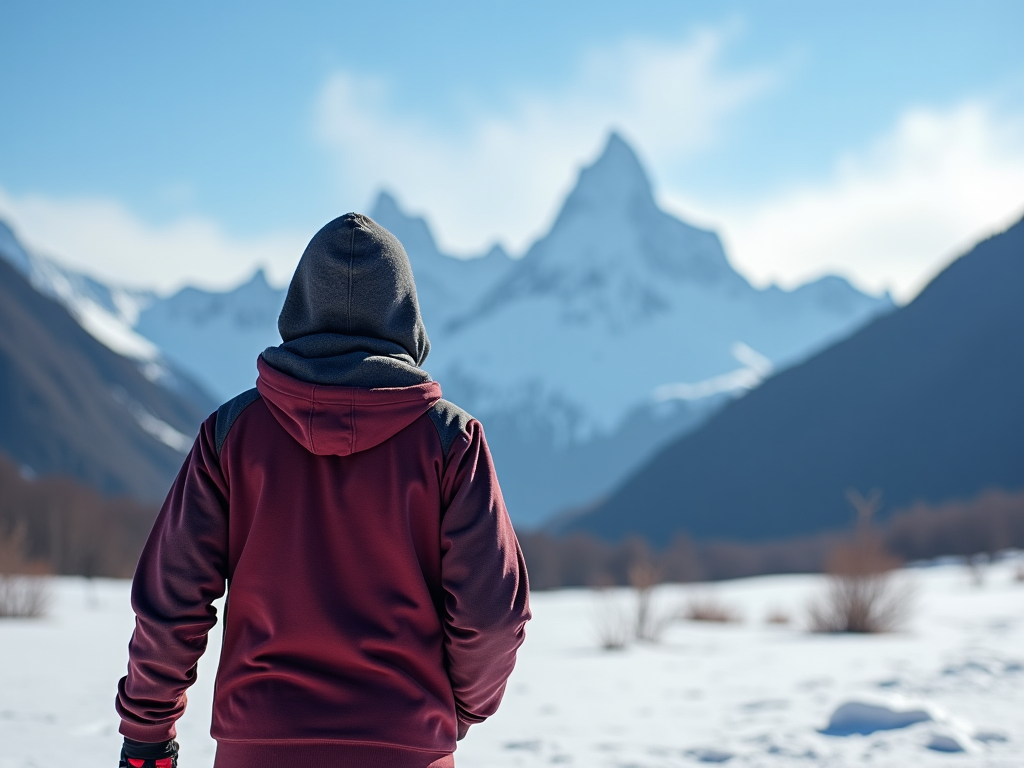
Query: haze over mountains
x,y
621,328
924,404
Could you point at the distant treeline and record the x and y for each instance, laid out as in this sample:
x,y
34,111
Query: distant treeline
x,y
992,522
57,525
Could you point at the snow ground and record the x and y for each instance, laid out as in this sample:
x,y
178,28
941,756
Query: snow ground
x,y
745,694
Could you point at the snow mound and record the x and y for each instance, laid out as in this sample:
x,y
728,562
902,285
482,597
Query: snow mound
x,y
941,742
948,734
858,717
710,755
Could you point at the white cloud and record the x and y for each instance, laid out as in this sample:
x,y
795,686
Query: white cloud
x,y
891,215
503,175
104,239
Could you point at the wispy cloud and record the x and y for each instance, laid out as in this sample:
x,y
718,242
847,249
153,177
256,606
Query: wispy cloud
x,y
502,174
888,213
891,214
102,237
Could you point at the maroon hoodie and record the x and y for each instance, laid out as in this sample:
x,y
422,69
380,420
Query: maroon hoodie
x,y
376,591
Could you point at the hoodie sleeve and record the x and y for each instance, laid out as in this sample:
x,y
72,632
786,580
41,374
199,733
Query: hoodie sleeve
x,y
182,570
484,578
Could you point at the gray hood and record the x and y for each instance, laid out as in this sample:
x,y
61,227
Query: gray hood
x,y
351,317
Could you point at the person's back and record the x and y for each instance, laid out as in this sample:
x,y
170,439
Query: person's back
x,y
377,592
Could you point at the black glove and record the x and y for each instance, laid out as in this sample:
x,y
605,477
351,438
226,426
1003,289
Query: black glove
x,y
139,754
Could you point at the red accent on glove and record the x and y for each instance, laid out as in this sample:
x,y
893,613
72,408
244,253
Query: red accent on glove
x,y
136,763
163,762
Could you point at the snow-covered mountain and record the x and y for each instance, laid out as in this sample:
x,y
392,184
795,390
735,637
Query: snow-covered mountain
x,y
621,328
213,336
621,305
72,406
447,287
108,313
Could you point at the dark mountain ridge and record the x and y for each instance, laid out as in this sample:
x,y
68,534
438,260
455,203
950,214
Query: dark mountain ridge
x,y
924,403
71,406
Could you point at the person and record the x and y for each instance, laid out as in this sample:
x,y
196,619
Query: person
x,y
376,592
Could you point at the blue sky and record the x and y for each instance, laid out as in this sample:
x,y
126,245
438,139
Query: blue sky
x,y
162,143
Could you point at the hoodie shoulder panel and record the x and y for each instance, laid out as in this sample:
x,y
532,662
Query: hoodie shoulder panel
x,y
229,412
450,422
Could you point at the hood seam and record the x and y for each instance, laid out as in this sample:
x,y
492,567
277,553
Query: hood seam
x,y
311,399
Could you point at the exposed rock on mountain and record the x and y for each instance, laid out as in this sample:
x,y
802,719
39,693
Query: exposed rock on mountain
x,y
70,405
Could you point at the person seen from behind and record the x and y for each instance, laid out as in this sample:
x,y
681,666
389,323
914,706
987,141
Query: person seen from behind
x,y
376,591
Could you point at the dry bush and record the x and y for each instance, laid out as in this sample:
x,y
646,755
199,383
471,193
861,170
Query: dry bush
x,y
24,597
777,616
24,589
644,577
977,566
863,603
613,622
863,594
708,607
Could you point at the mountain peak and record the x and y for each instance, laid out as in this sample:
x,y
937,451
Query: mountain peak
x,y
413,232
615,179
386,206
618,151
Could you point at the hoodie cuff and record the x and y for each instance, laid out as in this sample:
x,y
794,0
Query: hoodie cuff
x,y
148,734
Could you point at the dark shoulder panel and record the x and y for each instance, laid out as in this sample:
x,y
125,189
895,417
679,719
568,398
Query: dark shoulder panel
x,y
230,411
450,421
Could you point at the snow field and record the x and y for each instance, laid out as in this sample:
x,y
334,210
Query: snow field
x,y
947,690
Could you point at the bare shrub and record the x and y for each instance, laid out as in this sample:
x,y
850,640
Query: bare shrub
x,y
23,596
644,577
866,603
708,607
863,594
777,616
24,590
1018,575
977,565
613,622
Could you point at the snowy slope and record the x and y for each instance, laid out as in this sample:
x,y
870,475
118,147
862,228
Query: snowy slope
x,y
621,304
69,405
446,286
107,313
924,403
746,694
214,336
